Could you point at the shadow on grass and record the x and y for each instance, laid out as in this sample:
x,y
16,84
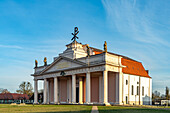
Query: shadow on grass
x,y
82,111
134,111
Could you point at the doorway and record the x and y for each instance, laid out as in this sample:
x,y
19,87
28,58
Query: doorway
x,y
77,94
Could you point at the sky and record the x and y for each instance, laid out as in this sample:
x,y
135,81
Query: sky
x,y
34,29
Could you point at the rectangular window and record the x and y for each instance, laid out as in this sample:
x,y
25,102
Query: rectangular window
x,y
126,82
142,91
137,90
132,89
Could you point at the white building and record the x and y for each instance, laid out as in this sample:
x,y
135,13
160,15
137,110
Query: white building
x,y
101,78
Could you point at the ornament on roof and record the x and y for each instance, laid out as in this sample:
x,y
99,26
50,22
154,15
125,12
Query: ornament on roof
x,y
75,34
45,61
88,50
105,47
36,63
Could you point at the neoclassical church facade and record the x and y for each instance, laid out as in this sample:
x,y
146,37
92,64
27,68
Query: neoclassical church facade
x,y
86,75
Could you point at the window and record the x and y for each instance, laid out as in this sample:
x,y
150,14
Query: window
x,y
132,89
126,100
126,82
142,91
137,90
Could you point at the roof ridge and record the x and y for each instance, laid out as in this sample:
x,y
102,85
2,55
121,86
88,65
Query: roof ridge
x,y
114,54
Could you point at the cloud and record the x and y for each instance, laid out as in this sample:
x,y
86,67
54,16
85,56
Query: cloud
x,y
145,31
11,46
134,22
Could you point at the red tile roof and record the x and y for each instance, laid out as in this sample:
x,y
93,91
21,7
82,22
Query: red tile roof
x,y
96,52
13,96
134,68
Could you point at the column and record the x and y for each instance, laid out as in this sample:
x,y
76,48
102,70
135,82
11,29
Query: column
x,y
45,91
80,90
55,90
48,91
73,88
105,86
117,87
35,91
88,87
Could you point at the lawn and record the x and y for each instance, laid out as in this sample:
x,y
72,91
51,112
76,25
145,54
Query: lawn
x,y
6,108
121,109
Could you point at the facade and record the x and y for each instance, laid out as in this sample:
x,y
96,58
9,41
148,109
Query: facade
x,y
7,98
86,75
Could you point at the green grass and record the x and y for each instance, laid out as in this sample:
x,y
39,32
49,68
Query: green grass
x,y
6,108
121,109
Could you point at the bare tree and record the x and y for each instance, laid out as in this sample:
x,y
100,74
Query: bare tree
x,y
4,90
25,88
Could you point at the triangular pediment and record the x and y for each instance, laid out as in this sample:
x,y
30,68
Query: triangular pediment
x,y
63,63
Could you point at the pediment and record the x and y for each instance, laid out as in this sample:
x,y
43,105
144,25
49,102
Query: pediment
x,y
63,63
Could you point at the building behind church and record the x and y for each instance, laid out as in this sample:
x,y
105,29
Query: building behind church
x,y
87,75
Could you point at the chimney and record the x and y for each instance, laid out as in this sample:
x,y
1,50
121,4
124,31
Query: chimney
x,y
147,71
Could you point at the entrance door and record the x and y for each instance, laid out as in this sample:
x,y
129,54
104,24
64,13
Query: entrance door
x,y
77,94
63,91
94,89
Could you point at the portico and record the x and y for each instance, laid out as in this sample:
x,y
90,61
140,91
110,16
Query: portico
x,y
87,88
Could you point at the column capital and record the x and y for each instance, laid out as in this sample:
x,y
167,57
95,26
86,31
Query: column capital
x,y
35,79
45,78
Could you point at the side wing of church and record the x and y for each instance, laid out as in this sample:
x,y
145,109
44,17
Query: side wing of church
x,y
82,75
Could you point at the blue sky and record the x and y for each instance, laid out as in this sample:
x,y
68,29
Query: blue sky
x,y
31,30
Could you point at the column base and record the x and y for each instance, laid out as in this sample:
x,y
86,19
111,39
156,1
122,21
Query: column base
x,y
36,103
45,103
88,103
73,103
106,104
80,102
118,103
57,103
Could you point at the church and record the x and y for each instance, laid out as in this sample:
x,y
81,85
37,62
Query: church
x,y
86,75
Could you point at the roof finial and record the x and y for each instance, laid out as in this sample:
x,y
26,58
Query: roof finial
x,y
36,63
75,34
45,61
88,50
105,47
